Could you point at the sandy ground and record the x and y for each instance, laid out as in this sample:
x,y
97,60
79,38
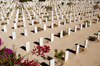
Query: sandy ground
x,y
90,57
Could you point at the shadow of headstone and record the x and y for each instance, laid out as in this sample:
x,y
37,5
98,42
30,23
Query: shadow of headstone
x,y
23,47
44,64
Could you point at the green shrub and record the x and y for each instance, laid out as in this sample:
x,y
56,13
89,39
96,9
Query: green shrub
x,y
64,33
48,8
70,3
59,55
98,16
87,21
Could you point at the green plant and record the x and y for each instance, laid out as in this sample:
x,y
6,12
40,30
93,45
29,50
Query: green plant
x,y
84,14
98,17
58,6
8,14
69,12
66,20
70,3
87,21
32,17
64,33
19,15
48,8
39,28
59,55
5,2
48,18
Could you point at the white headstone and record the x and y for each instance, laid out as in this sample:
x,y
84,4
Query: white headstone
x,y
52,62
77,48
46,20
75,29
15,26
28,46
69,31
24,24
70,20
75,19
5,28
81,26
85,44
97,20
52,37
25,32
86,25
44,26
61,33
52,25
35,29
41,41
7,21
90,23
13,35
64,22
62,16
58,23
32,22
66,55
39,21
98,35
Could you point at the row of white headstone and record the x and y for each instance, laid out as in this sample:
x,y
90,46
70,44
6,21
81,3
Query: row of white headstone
x,y
66,56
